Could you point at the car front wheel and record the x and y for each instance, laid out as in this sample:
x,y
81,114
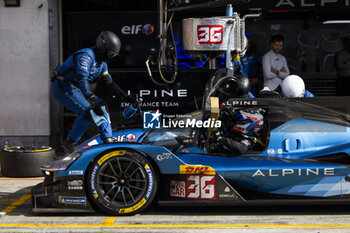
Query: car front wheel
x,y
122,182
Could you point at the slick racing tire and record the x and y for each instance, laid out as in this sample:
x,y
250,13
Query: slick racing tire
x,y
25,161
121,182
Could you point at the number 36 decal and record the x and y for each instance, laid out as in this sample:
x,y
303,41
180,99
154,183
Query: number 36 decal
x,y
201,187
209,34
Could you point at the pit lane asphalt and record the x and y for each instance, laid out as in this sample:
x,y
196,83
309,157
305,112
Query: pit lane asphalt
x,y
16,216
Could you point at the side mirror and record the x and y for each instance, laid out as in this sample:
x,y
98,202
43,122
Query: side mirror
x,y
185,140
267,93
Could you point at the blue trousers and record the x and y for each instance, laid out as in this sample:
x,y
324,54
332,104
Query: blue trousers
x,y
73,99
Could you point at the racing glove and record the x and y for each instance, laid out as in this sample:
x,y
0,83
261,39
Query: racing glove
x,y
131,100
95,106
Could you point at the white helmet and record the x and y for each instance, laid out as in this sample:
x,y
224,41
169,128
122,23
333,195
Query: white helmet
x,y
293,86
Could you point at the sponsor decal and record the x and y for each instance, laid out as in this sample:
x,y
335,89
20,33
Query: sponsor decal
x,y
92,143
179,93
110,155
147,29
209,34
122,138
163,156
133,208
75,185
196,169
76,172
130,137
72,200
151,119
295,172
200,187
149,94
271,151
227,194
177,188
85,57
75,182
240,102
150,181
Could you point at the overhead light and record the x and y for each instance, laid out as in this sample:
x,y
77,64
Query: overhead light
x,y
12,3
336,21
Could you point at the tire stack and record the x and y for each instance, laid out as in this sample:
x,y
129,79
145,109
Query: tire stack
x,y
19,161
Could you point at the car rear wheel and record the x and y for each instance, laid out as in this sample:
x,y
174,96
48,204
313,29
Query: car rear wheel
x,y
122,182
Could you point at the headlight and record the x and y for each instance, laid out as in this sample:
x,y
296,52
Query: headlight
x,y
61,164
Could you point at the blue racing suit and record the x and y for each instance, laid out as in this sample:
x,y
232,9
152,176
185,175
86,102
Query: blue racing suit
x,y
250,95
79,69
307,94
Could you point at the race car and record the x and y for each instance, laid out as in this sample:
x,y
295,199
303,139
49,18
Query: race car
x,y
306,158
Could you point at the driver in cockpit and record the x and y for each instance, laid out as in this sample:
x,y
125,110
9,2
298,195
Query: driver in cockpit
x,y
241,127
241,131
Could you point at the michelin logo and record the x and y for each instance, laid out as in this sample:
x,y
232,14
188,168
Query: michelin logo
x,y
72,200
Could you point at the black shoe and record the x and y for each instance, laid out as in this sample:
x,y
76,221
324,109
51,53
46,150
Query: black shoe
x,y
69,145
110,140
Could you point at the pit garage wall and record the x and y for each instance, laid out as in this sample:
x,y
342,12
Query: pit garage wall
x,y
24,70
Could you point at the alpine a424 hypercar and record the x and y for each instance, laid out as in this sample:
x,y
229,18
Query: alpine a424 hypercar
x,y
304,156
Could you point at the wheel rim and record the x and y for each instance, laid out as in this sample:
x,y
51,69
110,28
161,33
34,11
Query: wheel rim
x,y
122,182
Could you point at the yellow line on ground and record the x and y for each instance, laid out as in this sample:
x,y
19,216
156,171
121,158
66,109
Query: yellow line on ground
x,y
179,225
109,221
17,203
9,200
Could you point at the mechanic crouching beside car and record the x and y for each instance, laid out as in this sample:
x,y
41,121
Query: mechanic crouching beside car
x,y
293,86
70,87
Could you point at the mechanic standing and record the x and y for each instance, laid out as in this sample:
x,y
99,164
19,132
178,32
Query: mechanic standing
x,y
274,65
250,65
70,87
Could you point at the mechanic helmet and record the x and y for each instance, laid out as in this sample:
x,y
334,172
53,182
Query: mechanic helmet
x,y
108,45
293,86
226,89
248,121
243,87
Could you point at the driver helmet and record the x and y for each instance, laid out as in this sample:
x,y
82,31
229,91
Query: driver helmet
x,y
234,88
248,121
243,87
227,89
108,44
293,86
